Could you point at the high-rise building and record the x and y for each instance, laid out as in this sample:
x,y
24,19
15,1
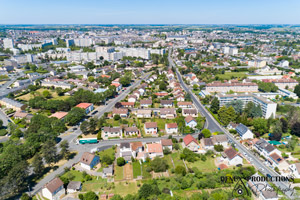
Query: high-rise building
x,y
8,43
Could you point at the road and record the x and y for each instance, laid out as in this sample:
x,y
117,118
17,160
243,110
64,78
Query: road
x,y
214,126
87,148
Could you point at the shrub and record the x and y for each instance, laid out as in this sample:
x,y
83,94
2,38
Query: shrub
x,y
120,161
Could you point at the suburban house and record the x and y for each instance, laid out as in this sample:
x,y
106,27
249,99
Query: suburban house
x,y
137,94
89,160
167,143
167,113
221,140
244,132
150,128
59,115
154,149
166,103
118,86
132,98
143,113
231,125
191,143
207,143
10,103
108,132
189,112
265,149
277,161
171,128
190,121
136,147
127,104
295,170
184,104
145,103
108,172
130,131
23,114
232,157
54,189
88,107
125,146
73,186
122,112
179,98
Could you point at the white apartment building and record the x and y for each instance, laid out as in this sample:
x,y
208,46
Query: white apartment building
x,y
135,52
8,43
268,107
226,87
83,42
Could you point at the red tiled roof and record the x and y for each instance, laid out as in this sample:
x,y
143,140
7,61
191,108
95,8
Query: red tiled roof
x,y
188,139
84,105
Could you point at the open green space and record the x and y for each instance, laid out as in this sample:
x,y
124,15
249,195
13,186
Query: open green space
x,y
118,173
230,75
203,166
136,169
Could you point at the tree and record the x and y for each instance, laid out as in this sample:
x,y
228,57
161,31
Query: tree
x,y
167,151
297,90
125,80
117,117
91,79
46,94
215,105
107,160
116,197
93,125
1,123
180,170
49,152
277,132
147,190
219,148
206,133
295,129
74,116
84,127
90,196
25,196
284,124
237,105
159,165
260,125
120,161
37,164
195,87
187,97
64,152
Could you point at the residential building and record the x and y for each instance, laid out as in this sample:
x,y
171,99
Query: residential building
x,y
131,131
88,107
132,98
190,112
277,161
191,143
108,132
122,112
74,186
227,87
143,113
136,147
145,103
166,103
232,157
167,113
244,132
127,104
54,189
23,114
150,128
61,85
10,103
154,150
185,104
171,128
190,121
89,161
59,115
295,170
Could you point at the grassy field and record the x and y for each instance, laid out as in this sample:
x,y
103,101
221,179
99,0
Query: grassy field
x,y
206,166
145,174
110,152
229,75
176,159
39,92
136,169
118,173
76,174
118,123
168,159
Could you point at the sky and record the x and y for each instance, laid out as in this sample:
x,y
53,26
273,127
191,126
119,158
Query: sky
x,y
149,12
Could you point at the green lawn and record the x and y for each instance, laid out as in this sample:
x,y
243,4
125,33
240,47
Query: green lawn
x,y
118,122
176,159
229,75
168,159
145,173
207,166
76,174
110,152
136,169
118,173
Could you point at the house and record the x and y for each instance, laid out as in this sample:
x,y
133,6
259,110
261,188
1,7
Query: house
x,y
143,113
108,171
244,132
146,103
132,98
73,186
23,114
54,189
167,143
127,104
232,125
179,98
59,115
89,160
88,107
137,94
122,112
185,104
277,161
125,146
126,155
10,103
118,86
136,147
154,149
232,157
167,113
191,143
150,128
190,111
295,170
220,140
207,143
166,103
171,128
108,132
131,131
190,121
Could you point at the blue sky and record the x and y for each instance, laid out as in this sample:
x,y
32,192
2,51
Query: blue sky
x,y
149,12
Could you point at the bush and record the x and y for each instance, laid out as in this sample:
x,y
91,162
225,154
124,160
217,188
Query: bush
x,y
233,131
120,161
180,170
206,133
3,132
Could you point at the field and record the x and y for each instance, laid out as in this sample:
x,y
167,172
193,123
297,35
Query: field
x,y
118,122
39,92
136,169
145,174
203,166
176,159
110,152
118,173
229,75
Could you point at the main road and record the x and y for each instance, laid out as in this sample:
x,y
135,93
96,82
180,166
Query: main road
x,y
214,126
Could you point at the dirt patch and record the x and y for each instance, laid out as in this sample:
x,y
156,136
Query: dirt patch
x,y
160,174
128,173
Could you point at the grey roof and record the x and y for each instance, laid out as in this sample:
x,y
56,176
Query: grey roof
x,y
241,129
208,142
262,144
269,194
220,138
125,144
108,170
12,102
75,185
